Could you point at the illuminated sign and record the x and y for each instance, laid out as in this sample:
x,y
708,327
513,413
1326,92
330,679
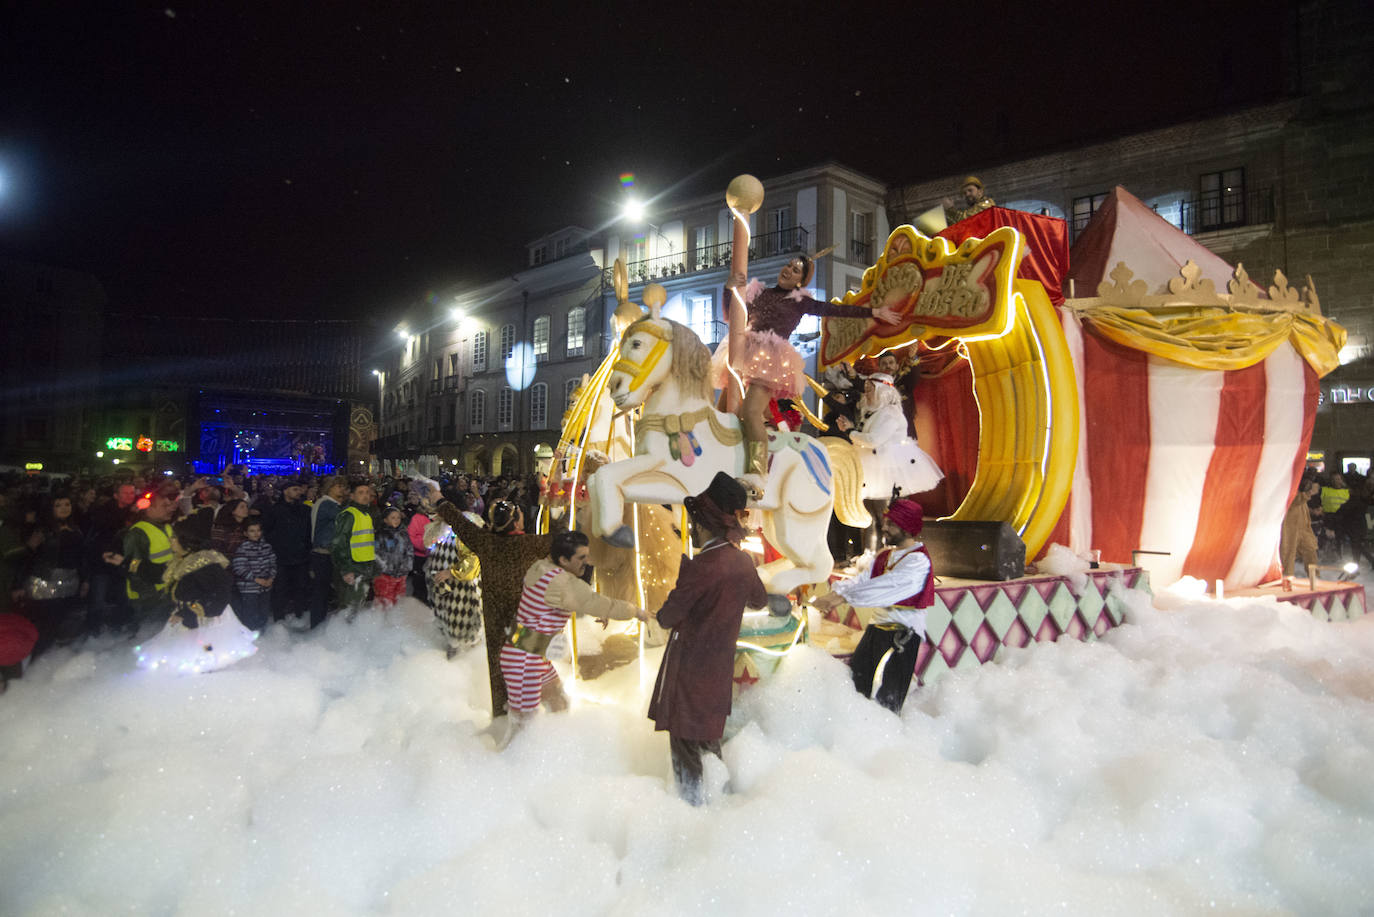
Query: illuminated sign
x,y
142,443
33,466
1347,394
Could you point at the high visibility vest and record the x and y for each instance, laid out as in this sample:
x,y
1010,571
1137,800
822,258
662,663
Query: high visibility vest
x,y
362,544
159,552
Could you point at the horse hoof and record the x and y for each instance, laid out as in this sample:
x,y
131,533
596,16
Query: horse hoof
x,y
623,537
779,605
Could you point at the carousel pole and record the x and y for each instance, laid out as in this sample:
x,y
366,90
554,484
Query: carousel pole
x,y
743,196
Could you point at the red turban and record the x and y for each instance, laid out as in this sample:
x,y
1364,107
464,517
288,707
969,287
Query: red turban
x,y
907,515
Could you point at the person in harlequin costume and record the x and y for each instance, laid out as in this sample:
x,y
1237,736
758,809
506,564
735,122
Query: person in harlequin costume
x,y
771,367
453,579
692,695
901,586
553,591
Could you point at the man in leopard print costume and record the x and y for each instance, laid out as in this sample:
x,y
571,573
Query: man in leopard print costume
x,y
505,552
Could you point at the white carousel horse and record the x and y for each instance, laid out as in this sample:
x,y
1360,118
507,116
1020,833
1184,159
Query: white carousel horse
x,y
681,441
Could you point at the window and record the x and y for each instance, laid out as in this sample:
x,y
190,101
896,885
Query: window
x,y
479,352
505,401
438,368
477,410
560,248
507,342
635,251
577,330
453,363
701,317
703,240
539,255
541,339
1222,202
539,406
861,243
779,220
1084,208
569,390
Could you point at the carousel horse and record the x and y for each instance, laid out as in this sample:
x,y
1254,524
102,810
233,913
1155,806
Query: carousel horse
x,y
681,441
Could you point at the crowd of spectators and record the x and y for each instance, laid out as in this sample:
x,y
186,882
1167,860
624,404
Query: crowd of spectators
x,y
82,557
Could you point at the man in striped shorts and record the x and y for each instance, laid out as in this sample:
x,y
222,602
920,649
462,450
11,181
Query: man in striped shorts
x,y
554,590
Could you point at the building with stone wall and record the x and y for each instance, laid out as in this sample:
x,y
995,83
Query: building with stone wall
x,y
1285,185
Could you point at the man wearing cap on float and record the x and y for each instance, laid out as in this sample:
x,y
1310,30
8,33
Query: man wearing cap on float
x,y
554,590
145,549
900,586
692,695
975,201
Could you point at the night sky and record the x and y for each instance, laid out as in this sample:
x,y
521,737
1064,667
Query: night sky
x,y
343,159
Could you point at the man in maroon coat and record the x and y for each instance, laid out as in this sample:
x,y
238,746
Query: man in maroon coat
x,y
692,695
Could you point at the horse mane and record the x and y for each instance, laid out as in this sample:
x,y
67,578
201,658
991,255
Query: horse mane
x,y
691,359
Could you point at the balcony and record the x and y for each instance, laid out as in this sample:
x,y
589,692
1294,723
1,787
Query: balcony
x,y
453,383
434,386
1226,210
860,251
711,257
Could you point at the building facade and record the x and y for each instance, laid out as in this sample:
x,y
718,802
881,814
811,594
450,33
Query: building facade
x,y
49,363
480,380
1279,186
686,246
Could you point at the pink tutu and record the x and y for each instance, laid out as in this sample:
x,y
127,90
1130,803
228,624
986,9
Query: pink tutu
x,y
767,358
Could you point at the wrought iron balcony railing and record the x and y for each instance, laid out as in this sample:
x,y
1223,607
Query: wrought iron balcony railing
x,y
711,257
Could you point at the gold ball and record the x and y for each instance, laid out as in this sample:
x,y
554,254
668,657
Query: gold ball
x,y
655,295
744,193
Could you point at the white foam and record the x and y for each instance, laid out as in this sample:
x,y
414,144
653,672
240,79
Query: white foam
x,y
1211,755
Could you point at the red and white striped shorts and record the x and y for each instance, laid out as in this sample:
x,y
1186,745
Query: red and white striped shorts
x,y
525,674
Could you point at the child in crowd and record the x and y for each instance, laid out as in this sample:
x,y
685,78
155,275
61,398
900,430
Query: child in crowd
x,y
254,568
394,558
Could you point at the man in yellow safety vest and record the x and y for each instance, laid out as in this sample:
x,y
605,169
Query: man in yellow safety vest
x,y
145,549
354,548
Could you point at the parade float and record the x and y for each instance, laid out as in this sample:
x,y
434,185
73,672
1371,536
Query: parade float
x,y
1155,427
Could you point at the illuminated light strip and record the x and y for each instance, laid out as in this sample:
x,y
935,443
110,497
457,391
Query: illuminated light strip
x,y
1008,289
739,297
753,648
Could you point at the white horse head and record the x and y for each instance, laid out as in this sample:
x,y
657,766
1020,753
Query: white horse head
x,y
658,355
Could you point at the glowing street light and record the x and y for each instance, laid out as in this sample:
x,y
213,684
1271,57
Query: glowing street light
x,y
633,210
400,333
457,315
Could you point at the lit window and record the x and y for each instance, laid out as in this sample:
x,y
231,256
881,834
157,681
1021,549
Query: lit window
x,y
504,403
539,255
577,330
701,317
539,406
507,342
1222,203
477,410
479,352
541,338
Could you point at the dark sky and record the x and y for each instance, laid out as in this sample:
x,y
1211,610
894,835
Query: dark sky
x,y
340,159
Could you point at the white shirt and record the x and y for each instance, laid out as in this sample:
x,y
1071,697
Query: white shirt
x,y
906,574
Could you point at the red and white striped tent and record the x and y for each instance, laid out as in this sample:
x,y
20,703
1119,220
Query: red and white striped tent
x,y
1196,403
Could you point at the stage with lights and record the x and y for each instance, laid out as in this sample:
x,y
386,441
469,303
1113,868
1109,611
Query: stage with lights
x,y
271,435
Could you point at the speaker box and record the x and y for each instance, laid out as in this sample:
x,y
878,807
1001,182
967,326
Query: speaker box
x,y
975,550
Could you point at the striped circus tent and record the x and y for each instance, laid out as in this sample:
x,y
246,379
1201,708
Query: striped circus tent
x,y
1196,406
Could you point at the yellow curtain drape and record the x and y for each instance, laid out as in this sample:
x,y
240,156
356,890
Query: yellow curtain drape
x,y
1206,337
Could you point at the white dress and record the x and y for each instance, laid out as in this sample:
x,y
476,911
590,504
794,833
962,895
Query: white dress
x,y
218,640
890,458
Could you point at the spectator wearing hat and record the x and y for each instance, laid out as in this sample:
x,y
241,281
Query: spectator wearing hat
x,y
900,586
692,696
286,527
975,201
